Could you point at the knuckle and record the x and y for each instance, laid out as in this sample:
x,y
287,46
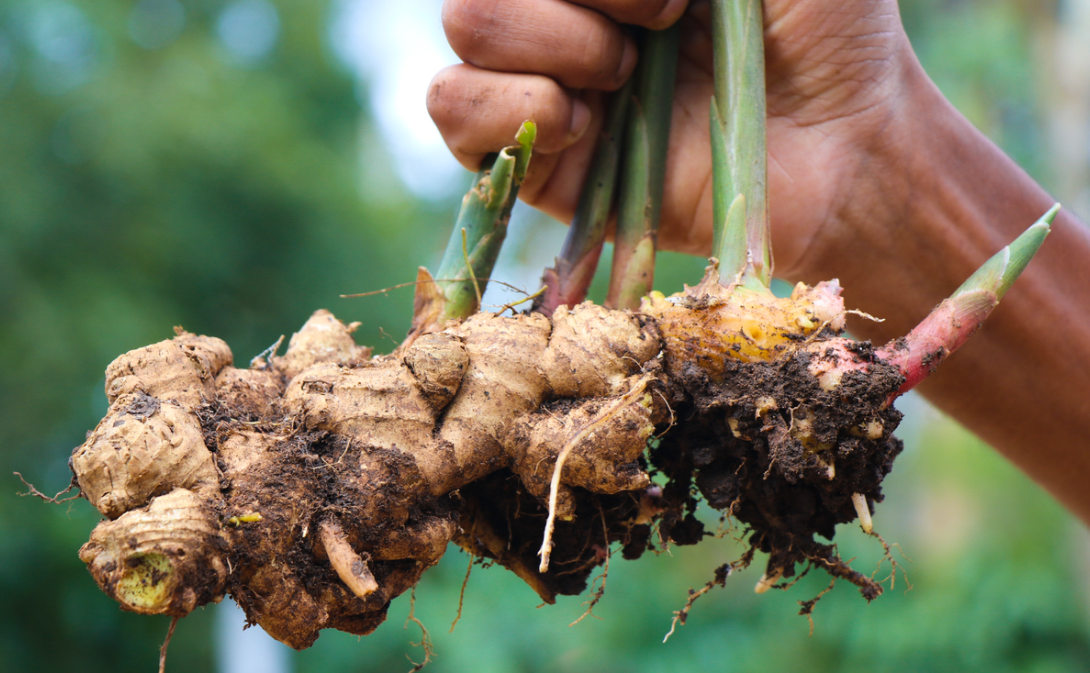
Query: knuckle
x,y
440,96
470,145
605,58
554,119
471,162
469,24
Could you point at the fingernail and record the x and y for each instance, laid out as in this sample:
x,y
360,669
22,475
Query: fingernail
x,y
628,62
580,120
669,14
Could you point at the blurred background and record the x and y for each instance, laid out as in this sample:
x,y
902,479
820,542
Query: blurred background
x,y
231,166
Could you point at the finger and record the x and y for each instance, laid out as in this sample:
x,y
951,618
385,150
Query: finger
x,y
653,14
478,111
554,181
576,46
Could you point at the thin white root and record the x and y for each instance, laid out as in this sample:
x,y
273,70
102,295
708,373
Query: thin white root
x,y
350,567
767,581
554,486
166,644
863,511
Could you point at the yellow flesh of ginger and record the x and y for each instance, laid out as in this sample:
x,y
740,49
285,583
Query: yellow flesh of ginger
x,y
146,585
710,322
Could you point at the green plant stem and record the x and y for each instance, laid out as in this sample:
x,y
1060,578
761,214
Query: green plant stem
x,y
643,170
567,282
739,155
953,321
482,226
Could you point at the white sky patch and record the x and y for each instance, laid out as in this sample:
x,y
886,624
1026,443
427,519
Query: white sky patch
x,y
243,650
396,48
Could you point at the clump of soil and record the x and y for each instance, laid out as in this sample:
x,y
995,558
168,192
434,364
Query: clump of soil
x,y
742,450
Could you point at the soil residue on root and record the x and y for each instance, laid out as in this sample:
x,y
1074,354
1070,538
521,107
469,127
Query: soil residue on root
x,y
766,445
770,447
281,571
500,520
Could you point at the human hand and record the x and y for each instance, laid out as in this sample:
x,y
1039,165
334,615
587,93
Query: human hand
x,y
837,73
873,177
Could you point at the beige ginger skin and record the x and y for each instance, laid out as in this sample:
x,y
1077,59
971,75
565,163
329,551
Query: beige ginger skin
x,y
317,486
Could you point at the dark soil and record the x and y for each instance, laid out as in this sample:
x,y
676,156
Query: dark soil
x,y
498,508
280,574
761,475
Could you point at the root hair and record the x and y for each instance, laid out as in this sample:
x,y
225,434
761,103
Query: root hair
x,y
562,457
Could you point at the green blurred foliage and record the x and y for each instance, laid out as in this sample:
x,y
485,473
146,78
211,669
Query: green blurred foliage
x,y
142,189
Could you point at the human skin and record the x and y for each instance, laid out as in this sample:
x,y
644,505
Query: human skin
x,y
874,178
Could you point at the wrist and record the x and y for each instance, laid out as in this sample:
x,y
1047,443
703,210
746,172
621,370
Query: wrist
x,y
931,198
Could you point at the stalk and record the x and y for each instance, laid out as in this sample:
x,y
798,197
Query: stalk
x,y
739,154
643,173
566,283
455,291
953,321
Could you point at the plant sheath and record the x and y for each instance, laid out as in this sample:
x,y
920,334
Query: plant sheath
x,y
482,226
568,280
739,157
644,169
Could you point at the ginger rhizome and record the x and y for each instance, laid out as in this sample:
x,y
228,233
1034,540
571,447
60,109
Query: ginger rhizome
x,y
317,486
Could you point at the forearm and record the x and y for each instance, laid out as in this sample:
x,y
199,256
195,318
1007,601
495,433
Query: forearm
x,y
924,219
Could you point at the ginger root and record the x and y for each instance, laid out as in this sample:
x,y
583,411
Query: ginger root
x,y
317,486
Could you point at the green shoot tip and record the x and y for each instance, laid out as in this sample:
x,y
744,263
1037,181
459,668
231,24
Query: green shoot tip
x,y
525,138
1049,216
999,273
527,133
